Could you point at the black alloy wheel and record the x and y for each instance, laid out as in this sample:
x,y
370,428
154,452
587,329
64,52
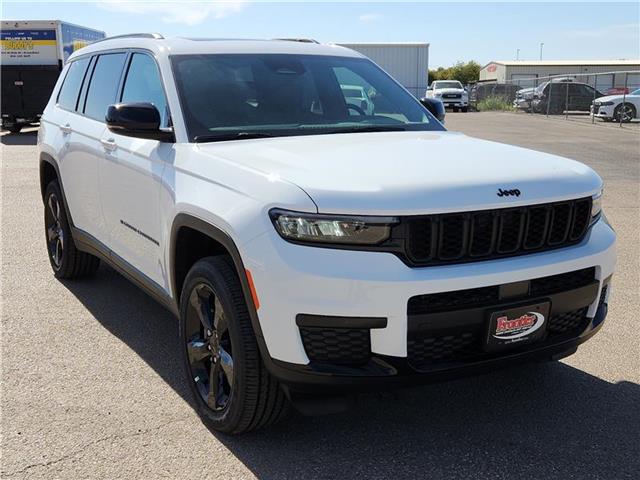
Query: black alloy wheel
x,y
209,347
55,232
231,388
66,260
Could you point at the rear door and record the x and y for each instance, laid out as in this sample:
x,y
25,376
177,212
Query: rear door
x,y
85,149
130,174
77,165
37,85
11,91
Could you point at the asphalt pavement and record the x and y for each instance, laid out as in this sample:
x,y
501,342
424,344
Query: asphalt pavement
x,y
91,387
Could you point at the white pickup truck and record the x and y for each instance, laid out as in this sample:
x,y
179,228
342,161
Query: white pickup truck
x,y
451,92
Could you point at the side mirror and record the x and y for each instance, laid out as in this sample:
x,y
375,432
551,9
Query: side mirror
x,y
140,120
435,106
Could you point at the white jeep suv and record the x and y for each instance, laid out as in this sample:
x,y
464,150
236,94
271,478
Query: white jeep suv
x,y
312,248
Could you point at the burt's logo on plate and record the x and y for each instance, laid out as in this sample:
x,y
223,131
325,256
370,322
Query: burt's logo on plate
x,y
511,328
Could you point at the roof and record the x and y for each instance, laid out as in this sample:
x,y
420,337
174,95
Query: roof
x,y
185,46
543,63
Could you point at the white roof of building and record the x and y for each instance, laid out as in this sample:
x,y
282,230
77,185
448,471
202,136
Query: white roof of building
x,y
178,46
385,44
543,63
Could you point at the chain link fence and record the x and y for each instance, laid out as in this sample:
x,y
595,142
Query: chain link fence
x,y
569,95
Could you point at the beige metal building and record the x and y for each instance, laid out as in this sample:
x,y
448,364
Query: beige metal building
x,y
526,73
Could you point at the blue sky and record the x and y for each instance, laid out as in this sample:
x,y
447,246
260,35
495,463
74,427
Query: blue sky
x,y
456,31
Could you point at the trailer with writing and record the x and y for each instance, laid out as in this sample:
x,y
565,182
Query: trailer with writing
x,y
33,54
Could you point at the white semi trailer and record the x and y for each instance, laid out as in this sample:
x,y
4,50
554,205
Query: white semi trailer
x,y
33,54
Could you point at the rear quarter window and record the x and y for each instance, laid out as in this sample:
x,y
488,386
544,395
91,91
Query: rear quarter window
x,y
68,96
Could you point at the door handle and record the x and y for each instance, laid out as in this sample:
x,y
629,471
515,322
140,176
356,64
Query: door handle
x,y
109,144
65,128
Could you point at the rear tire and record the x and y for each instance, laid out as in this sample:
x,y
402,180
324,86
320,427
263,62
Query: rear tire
x,y
465,109
66,260
232,390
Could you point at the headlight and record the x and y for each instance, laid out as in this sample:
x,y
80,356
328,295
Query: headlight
x,y
596,206
338,229
605,103
437,94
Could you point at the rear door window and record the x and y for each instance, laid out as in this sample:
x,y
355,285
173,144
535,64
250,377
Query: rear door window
x,y
103,88
68,96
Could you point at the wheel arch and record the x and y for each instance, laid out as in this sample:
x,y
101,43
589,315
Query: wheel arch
x,y
49,171
186,226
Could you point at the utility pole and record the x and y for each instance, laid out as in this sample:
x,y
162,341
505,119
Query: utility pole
x,y
518,54
541,45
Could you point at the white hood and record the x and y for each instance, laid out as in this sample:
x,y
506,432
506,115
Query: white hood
x,y
402,173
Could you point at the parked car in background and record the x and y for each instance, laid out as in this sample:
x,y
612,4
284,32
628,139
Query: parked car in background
x,y
355,95
525,96
451,92
33,54
557,97
617,107
480,91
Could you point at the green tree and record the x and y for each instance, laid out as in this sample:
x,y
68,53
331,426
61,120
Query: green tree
x,y
464,72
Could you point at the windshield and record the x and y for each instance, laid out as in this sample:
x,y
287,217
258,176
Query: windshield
x,y
636,92
448,85
234,96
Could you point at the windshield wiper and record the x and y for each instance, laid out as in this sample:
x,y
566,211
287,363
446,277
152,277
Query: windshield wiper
x,y
221,137
369,128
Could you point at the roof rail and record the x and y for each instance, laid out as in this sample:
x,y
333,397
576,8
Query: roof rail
x,y
156,36
301,40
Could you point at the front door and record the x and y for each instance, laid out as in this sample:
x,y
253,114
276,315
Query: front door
x,y
130,175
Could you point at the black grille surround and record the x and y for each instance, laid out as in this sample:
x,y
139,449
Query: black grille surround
x,y
488,234
449,328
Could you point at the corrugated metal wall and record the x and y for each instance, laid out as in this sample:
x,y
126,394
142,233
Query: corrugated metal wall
x,y
503,73
407,63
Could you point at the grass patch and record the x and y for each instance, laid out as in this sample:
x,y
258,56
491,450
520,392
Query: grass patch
x,y
495,103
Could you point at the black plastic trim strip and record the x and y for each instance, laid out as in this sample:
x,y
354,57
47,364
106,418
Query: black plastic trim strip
x,y
307,320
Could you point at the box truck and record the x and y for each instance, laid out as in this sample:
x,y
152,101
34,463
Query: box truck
x,y
33,54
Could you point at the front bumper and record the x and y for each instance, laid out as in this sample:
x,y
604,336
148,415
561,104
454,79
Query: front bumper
x,y
602,111
292,279
454,103
392,372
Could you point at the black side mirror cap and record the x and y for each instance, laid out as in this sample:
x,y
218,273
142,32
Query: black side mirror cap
x,y
435,107
139,120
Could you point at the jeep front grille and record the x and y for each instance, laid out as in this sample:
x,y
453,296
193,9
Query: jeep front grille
x,y
486,234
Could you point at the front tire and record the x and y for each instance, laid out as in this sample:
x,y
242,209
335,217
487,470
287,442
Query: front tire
x,y
66,260
625,112
232,390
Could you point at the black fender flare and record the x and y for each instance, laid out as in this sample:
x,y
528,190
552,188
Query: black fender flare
x,y
48,159
220,236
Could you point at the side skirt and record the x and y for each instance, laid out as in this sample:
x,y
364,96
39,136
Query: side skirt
x,y
88,243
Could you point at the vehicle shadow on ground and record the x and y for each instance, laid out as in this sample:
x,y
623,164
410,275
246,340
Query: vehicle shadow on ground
x,y
29,137
536,421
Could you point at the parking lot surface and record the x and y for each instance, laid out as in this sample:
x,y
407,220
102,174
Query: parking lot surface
x,y
91,387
